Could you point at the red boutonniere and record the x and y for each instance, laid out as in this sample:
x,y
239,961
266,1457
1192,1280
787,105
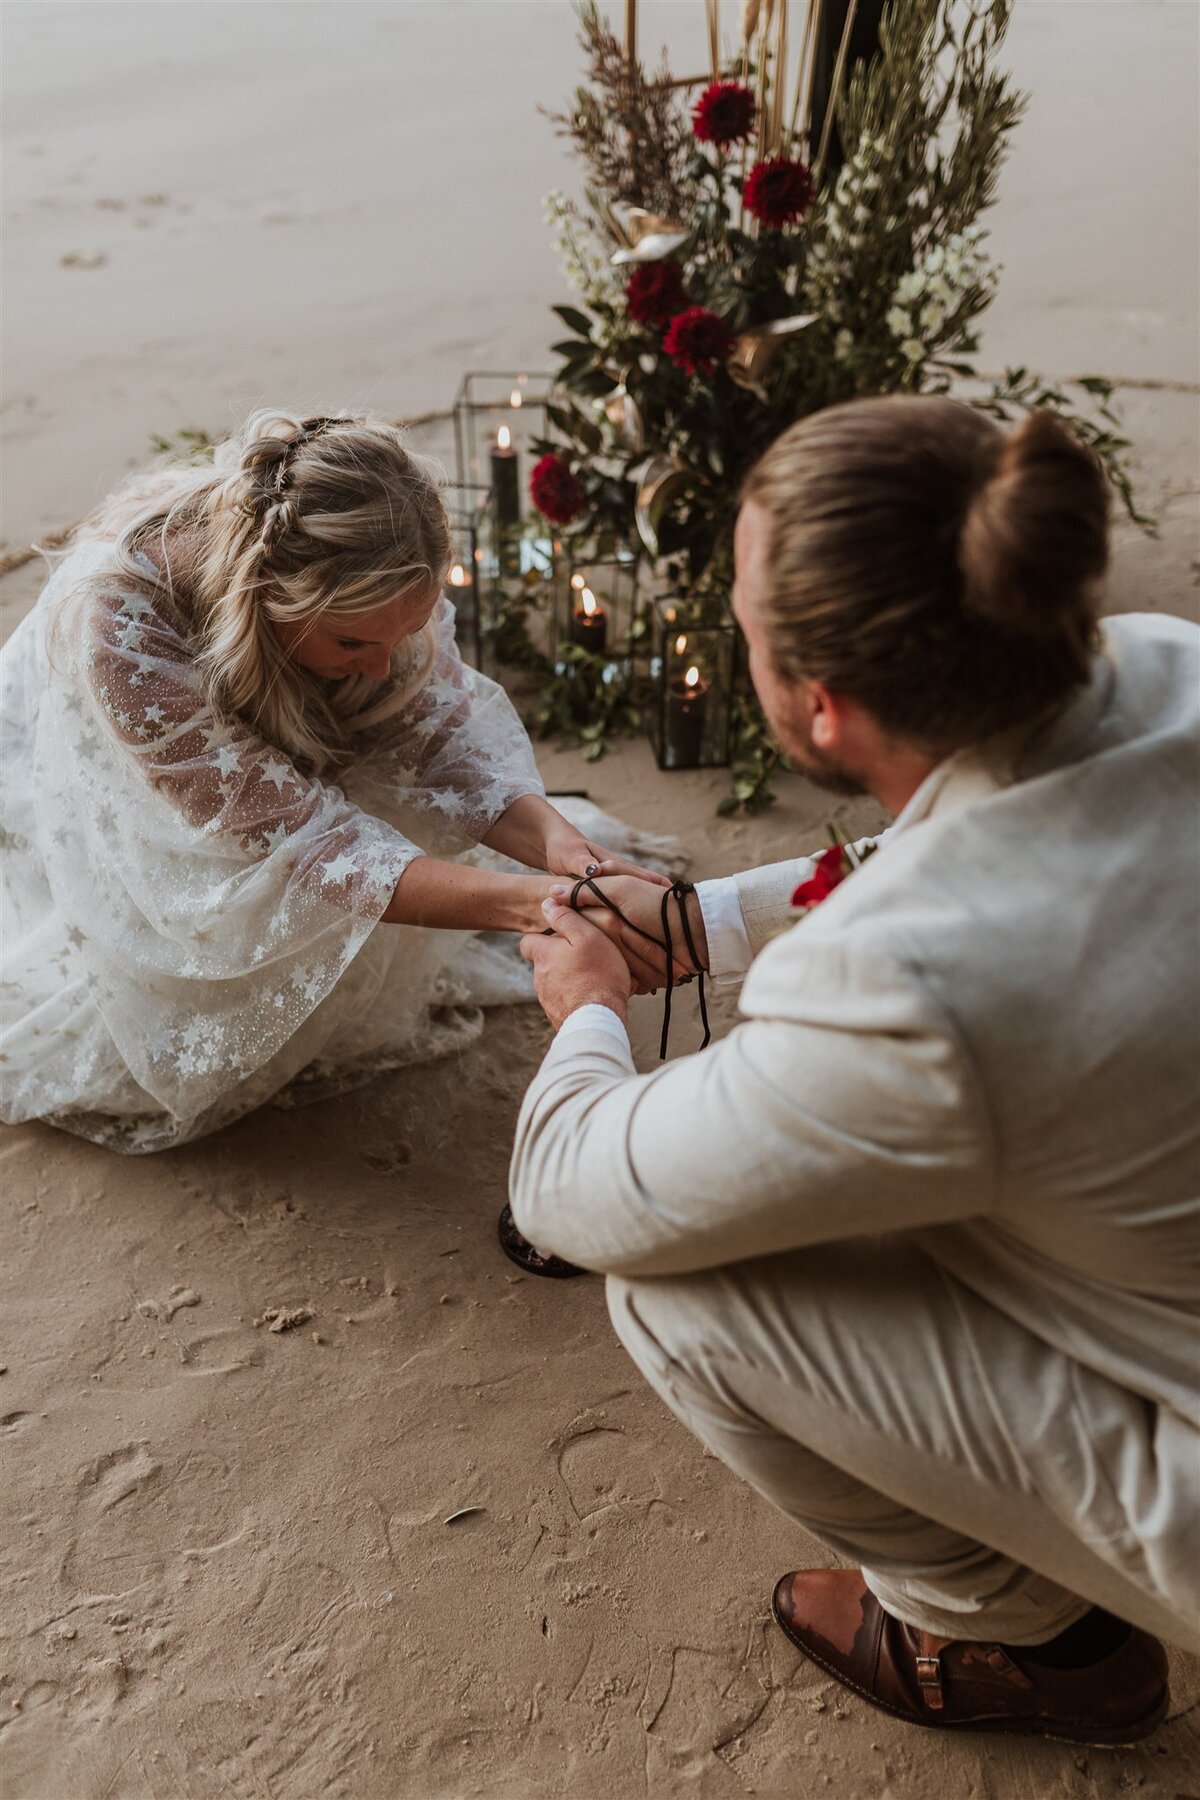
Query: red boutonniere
x,y
833,866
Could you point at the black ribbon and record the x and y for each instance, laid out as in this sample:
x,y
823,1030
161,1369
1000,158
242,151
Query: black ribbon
x,y
679,891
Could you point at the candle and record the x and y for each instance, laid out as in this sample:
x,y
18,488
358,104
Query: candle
x,y
506,480
460,584
589,624
683,720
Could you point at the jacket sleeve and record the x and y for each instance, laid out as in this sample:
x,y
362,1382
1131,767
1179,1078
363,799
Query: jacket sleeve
x,y
852,1111
766,893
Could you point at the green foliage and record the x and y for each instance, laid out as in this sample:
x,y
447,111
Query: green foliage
x,y
884,282
191,445
1020,392
588,699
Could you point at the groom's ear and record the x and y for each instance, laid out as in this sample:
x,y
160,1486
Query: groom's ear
x,y
826,715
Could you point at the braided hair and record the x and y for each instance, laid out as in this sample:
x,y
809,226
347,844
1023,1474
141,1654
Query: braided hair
x,y
293,519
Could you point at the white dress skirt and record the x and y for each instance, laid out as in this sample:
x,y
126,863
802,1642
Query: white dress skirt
x,y
191,924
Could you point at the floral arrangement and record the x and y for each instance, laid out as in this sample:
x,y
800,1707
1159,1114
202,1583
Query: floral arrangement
x,y
739,262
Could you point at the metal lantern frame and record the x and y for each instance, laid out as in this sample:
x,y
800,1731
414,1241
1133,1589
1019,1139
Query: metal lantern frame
x,y
695,734
616,583
484,399
468,508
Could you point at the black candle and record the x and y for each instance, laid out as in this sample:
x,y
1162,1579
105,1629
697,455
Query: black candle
x,y
589,624
683,721
460,585
506,480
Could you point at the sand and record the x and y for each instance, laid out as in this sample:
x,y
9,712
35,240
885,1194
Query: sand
x,y
309,1492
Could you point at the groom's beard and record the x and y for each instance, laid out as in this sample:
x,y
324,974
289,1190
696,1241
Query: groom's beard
x,y
824,771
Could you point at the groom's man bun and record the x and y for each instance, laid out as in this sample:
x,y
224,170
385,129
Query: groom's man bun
x,y
943,573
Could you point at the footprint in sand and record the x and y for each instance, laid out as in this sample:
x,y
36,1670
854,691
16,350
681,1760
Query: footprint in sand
x,y
601,1467
117,1474
389,1162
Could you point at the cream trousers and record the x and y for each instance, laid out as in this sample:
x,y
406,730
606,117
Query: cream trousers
x,y
989,1486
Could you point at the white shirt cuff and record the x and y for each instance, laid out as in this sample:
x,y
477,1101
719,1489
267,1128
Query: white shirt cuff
x,y
594,1017
729,952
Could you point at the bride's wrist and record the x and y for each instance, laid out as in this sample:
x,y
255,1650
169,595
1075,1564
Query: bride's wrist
x,y
529,892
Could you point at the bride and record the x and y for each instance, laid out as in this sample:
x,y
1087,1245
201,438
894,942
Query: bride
x,y
242,763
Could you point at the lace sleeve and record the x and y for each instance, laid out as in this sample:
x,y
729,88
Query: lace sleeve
x,y
459,754
243,797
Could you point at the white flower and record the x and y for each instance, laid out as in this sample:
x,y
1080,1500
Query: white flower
x,y
899,323
843,343
912,351
933,317
909,286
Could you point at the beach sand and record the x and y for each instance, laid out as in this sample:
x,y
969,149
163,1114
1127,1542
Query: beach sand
x,y
228,1567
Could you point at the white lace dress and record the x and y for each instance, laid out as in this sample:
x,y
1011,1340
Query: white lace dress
x,y
190,923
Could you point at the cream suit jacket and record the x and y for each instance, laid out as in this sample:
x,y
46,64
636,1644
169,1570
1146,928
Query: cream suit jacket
x,y
989,1036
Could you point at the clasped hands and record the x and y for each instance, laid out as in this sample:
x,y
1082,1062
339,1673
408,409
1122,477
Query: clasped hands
x,y
590,956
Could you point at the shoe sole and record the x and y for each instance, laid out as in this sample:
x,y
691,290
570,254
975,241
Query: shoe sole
x,y
1066,1731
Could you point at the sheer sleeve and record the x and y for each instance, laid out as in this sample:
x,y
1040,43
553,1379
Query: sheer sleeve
x,y
458,756
246,801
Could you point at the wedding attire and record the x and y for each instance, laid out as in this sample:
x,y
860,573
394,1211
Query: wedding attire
x,y
190,922
915,1247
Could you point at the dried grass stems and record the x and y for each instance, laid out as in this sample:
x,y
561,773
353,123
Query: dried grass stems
x,y
632,131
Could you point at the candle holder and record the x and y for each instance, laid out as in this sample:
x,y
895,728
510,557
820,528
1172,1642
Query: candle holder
x,y
498,415
599,608
692,670
468,509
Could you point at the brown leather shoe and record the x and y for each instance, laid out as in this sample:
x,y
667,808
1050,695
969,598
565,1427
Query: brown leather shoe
x,y
832,1616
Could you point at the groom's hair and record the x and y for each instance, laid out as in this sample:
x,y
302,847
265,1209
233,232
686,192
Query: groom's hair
x,y
943,573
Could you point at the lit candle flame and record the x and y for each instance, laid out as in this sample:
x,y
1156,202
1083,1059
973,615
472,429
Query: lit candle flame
x,y
591,605
578,582
514,399
680,645
692,678
671,615
458,576
504,438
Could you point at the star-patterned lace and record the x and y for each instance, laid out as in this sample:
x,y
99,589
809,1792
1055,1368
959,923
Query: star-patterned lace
x,y
190,919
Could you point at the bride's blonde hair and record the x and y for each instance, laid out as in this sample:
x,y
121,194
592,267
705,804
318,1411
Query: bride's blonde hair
x,y
293,519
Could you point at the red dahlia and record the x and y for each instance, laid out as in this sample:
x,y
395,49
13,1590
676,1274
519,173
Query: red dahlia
x,y
724,114
656,292
555,491
698,340
779,191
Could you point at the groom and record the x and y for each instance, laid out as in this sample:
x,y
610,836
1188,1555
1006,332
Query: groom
x,y
914,1249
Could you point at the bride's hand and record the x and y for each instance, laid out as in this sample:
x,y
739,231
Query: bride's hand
x,y
641,905
569,853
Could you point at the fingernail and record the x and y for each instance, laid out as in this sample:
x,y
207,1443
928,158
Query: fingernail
x,y
558,893
549,907
591,868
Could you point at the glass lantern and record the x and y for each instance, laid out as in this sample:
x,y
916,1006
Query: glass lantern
x,y
468,509
599,608
692,672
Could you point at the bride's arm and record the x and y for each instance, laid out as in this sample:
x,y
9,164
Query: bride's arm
x,y
533,832
457,897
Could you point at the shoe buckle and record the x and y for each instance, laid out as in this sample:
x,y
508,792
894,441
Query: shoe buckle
x,y
929,1680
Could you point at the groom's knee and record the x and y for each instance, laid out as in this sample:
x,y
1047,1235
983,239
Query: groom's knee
x,y
638,1310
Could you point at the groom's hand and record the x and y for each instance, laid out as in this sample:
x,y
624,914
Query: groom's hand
x,y
575,967
641,906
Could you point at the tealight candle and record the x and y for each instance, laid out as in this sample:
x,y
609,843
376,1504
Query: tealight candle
x,y
589,624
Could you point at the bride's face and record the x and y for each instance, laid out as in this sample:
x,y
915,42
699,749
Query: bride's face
x,y
360,643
